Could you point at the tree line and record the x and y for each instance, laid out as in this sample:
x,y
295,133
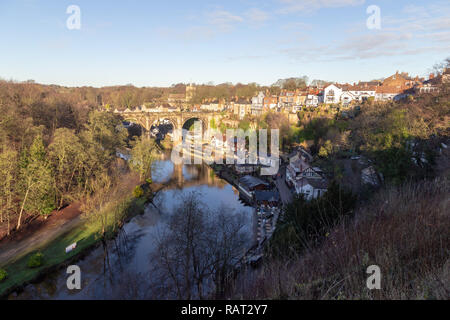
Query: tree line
x,y
54,150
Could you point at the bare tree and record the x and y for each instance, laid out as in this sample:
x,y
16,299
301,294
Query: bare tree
x,y
197,250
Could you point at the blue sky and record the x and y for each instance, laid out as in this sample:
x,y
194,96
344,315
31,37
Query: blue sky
x,y
159,43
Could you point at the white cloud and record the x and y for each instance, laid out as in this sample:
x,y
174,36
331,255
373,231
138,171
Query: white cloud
x,y
256,17
223,20
413,31
292,6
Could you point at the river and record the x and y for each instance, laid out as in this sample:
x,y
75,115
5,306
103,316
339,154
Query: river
x,y
129,261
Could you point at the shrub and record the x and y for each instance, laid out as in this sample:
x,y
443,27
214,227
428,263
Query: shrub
x,y
149,181
138,192
36,260
3,275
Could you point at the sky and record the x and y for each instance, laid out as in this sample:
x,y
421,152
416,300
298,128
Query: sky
x,y
160,43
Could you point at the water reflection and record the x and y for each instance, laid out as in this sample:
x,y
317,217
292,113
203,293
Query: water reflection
x,y
128,254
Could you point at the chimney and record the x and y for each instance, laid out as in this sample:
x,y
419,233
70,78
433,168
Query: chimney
x,y
431,76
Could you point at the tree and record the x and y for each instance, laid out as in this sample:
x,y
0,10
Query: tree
x,y
198,246
326,150
8,174
36,181
103,135
66,155
94,206
228,240
305,223
143,154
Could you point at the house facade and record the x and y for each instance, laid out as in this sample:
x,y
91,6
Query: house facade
x,y
270,103
332,94
258,104
304,178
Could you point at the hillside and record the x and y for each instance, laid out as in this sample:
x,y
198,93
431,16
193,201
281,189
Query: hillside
x,y
322,249
403,230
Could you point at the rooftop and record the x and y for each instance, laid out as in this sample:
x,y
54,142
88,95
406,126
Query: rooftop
x,y
251,182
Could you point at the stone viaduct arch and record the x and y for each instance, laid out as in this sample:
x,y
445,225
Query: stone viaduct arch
x,y
178,119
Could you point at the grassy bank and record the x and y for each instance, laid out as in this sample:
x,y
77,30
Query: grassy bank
x,y
86,234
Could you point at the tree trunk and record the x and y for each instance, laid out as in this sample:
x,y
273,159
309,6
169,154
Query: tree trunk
x,y
8,232
21,209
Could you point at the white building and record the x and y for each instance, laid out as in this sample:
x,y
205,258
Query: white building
x,y
386,93
258,104
305,179
311,188
211,106
332,94
357,93
312,100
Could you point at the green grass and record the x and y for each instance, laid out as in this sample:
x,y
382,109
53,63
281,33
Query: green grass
x,y
86,236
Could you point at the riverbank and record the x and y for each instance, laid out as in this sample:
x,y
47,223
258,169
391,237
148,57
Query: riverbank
x,y
85,233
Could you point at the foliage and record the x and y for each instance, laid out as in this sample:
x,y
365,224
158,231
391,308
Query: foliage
x,y
326,150
36,180
3,275
397,140
212,123
68,158
306,223
143,154
36,260
138,192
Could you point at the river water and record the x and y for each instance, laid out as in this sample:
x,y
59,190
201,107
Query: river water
x,y
129,254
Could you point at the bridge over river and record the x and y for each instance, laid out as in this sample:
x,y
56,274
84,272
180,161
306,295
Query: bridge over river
x,y
147,119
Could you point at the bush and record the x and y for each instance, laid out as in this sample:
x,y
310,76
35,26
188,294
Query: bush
x,y
36,260
3,275
138,192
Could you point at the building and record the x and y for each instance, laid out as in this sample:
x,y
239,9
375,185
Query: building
x,y
241,108
304,178
311,188
357,92
312,100
190,92
429,86
249,184
258,104
212,106
270,103
268,198
385,93
300,99
286,99
332,94
400,81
